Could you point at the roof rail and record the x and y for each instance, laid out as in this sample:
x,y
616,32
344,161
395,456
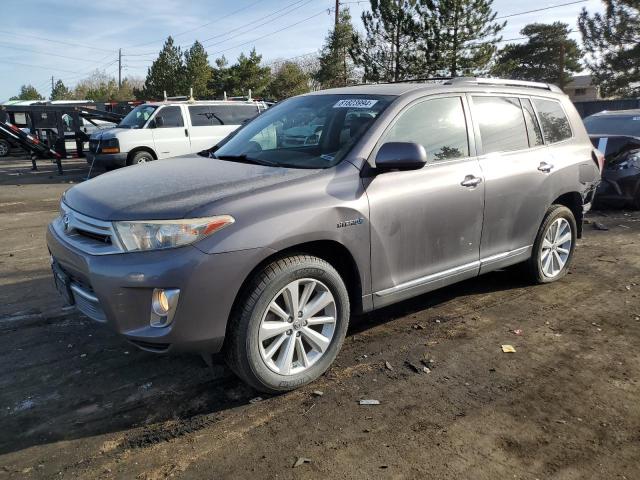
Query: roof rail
x,y
505,82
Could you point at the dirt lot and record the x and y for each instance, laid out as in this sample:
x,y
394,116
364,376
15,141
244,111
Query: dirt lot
x,y
78,402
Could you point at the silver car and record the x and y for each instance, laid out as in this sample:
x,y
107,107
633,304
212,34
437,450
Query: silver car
x,y
263,250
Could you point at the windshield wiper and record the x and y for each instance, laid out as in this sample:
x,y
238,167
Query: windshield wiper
x,y
243,158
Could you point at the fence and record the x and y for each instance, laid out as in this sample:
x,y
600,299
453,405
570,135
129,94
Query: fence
x,y
589,108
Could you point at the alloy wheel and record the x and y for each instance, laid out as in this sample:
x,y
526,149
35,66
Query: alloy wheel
x,y
297,327
556,247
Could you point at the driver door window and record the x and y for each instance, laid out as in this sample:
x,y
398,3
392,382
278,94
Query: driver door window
x,y
438,125
169,117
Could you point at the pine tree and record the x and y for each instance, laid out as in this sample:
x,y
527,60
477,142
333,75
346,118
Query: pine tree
x,y
247,74
220,77
60,91
465,34
166,73
288,81
28,92
197,70
612,42
388,50
336,66
548,55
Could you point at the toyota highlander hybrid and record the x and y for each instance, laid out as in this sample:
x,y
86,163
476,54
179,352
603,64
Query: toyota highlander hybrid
x,y
265,245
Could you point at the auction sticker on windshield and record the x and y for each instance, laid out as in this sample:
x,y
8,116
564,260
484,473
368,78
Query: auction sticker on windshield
x,y
355,103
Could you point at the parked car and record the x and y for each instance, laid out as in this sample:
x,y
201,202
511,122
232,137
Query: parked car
x,y
153,131
264,251
617,135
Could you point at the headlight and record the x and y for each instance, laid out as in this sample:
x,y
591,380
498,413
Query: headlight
x,y
158,234
110,145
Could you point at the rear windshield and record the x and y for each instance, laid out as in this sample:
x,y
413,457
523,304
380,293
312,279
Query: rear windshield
x,y
614,125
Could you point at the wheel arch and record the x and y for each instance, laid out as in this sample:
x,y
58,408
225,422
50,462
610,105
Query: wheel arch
x,y
331,251
149,150
573,201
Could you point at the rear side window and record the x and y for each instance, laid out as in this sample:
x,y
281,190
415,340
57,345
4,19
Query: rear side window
x,y
555,125
169,117
233,114
437,124
501,124
533,127
201,116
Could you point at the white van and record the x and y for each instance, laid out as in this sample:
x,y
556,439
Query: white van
x,y
159,130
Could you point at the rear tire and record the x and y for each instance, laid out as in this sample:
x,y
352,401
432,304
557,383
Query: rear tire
x,y
265,333
140,157
553,249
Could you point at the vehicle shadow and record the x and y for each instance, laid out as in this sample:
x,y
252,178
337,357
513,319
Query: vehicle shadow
x,y
71,378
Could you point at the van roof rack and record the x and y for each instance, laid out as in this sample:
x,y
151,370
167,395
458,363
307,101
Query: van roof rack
x,y
506,82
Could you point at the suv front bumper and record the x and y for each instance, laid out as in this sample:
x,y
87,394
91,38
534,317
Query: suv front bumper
x,y
117,290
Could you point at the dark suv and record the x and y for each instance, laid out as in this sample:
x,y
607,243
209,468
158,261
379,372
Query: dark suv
x,y
263,247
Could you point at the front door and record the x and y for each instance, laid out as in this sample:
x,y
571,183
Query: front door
x,y
170,134
426,224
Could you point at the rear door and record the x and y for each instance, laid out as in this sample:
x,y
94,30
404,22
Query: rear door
x,y
426,224
514,163
170,134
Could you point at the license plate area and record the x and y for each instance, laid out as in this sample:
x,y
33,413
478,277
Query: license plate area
x,y
62,283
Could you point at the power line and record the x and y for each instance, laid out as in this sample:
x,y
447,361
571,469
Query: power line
x,y
541,9
56,41
243,26
4,60
201,26
12,47
272,33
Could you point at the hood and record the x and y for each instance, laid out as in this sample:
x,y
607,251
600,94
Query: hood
x,y
105,133
172,188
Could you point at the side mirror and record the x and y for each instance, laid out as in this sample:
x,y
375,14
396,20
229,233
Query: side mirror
x,y
152,123
401,156
158,122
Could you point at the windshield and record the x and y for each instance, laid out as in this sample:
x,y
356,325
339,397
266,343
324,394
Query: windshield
x,y
314,131
137,117
614,125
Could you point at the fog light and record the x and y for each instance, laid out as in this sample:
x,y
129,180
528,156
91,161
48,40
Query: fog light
x,y
163,306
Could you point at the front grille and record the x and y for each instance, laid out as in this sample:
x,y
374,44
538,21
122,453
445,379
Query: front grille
x,y
88,303
100,237
93,236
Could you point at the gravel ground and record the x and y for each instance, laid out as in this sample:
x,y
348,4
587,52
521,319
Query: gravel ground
x,y
76,401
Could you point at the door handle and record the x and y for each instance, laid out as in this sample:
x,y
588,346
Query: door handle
x,y
545,167
471,181
186,132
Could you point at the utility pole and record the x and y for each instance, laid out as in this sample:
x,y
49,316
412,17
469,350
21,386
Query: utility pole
x,y
119,68
51,83
337,13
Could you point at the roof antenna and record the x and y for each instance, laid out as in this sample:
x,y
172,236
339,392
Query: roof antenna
x,y
164,92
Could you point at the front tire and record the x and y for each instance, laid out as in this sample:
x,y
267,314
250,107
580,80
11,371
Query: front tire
x,y
554,246
139,158
288,325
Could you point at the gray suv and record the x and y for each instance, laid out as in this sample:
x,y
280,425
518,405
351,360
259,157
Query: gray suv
x,y
263,247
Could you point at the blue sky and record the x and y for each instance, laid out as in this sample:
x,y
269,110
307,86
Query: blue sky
x,y
69,39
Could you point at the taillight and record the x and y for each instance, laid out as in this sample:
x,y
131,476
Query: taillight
x,y
598,158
